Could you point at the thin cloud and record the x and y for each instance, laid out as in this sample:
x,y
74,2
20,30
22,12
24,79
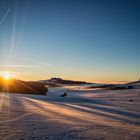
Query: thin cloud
x,y
45,64
24,66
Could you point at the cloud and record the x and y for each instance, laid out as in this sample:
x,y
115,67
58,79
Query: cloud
x,y
45,64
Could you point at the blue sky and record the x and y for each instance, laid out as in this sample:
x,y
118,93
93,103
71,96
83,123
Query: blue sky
x,y
92,40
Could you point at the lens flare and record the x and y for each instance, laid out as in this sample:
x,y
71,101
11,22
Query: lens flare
x,y
7,75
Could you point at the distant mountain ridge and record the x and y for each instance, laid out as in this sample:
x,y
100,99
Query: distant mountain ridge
x,y
59,82
134,82
130,85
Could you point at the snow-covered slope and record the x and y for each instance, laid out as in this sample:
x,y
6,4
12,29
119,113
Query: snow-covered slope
x,y
83,114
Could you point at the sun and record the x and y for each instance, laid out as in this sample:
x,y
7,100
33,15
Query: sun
x,y
7,75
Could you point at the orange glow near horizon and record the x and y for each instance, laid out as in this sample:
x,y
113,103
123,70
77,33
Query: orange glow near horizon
x,y
7,75
28,76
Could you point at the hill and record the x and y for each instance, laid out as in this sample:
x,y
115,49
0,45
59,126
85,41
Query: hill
x,y
59,82
19,86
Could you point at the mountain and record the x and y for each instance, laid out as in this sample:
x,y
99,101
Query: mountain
x,y
60,82
19,86
135,84
131,85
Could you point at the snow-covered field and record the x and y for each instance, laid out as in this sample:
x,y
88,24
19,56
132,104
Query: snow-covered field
x,y
82,115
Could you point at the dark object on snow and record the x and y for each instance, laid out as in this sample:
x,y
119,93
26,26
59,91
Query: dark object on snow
x,y
112,100
130,87
64,95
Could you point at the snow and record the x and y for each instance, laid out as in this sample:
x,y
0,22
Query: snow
x,y
82,115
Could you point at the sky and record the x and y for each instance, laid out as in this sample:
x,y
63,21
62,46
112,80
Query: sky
x,y
88,40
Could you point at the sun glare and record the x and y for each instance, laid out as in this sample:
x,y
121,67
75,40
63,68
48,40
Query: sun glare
x,y
7,75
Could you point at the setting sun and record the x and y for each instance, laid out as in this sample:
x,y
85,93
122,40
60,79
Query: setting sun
x,y
7,75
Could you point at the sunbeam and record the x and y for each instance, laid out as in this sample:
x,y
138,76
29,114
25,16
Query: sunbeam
x,y
28,87
5,15
2,100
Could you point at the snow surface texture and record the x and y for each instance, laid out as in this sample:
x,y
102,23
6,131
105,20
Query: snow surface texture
x,y
81,115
